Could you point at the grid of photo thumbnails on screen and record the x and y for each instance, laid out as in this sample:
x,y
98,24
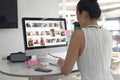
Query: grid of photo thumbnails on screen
x,y
47,33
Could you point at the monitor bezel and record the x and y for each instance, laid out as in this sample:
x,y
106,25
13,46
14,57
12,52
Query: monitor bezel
x,y
40,47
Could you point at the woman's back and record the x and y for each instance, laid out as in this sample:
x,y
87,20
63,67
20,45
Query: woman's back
x,y
94,63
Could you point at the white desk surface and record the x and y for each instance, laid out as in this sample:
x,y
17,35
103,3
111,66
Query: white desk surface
x,y
116,60
21,70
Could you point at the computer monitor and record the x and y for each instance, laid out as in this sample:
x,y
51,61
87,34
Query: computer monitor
x,y
44,34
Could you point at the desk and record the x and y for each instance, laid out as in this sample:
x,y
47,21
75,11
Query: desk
x,y
116,65
20,70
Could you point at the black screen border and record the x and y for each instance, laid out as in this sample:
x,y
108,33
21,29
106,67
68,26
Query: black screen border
x,y
33,18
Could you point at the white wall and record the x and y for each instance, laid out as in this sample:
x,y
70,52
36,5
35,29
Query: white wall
x,y
11,40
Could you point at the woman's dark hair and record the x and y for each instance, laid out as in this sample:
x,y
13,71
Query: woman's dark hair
x,y
91,6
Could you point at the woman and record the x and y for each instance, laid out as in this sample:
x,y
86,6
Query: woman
x,y
91,47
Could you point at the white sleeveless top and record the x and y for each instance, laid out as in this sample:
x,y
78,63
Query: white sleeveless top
x,y
95,61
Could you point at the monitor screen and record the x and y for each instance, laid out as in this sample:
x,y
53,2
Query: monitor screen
x,y
44,32
8,14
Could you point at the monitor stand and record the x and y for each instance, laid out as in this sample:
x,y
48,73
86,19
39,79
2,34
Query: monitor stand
x,y
42,53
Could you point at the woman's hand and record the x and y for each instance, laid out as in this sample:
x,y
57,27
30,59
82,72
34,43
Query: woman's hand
x,y
60,61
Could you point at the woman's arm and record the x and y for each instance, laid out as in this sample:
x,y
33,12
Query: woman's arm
x,y
74,51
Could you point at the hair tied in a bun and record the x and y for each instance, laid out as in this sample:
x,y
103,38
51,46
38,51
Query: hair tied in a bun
x,y
91,0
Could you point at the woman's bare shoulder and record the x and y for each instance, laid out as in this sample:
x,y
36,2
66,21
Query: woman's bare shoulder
x,y
78,33
78,36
